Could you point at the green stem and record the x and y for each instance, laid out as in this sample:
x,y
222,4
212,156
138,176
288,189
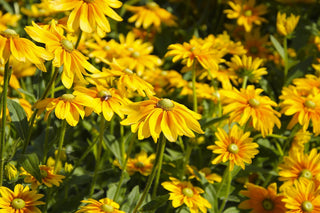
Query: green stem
x,y
156,182
99,150
46,141
60,144
195,100
187,155
228,188
286,62
160,150
7,74
245,81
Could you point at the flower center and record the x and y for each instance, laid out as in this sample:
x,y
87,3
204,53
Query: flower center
x,y
107,208
139,164
43,173
135,54
107,48
67,45
307,206
310,104
254,102
18,203
306,173
233,148
254,50
67,97
165,104
104,95
127,71
267,204
248,13
88,1
152,5
187,192
9,33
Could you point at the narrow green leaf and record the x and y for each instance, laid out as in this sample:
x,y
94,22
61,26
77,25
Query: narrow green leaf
x,y
6,6
278,46
18,118
30,162
156,203
231,210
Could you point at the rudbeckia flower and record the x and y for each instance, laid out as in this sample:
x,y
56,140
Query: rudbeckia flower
x,y
142,163
206,172
286,25
89,15
151,117
262,200
101,206
8,19
74,63
185,193
21,200
21,49
247,104
236,147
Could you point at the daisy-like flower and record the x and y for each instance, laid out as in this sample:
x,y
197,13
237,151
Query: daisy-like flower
x,y
246,13
48,177
286,25
21,49
74,63
256,44
262,200
150,14
246,67
8,19
247,104
89,15
66,107
298,165
142,163
206,172
185,193
307,83
300,138
151,117
102,206
302,197
38,10
20,200
236,147
303,105
107,101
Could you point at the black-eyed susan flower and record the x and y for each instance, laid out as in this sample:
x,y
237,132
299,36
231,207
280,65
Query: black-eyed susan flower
x,y
300,138
236,147
74,63
246,13
206,172
183,192
150,14
256,45
142,163
299,164
48,177
38,10
89,15
21,49
104,205
66,107
302,197
8,19
262,200
286,25
21,200
153,116
107,101
11,171
247,104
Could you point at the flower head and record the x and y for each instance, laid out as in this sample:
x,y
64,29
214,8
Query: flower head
x,y
104,205
206,172
262,200
142,163
185,193
21,200
285,26
236,147
151,117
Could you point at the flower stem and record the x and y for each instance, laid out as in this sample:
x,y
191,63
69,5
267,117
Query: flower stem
x,y
228,174
7,74
187,155
60,144
286,62
160,150
195,100
156,182
245,81
99,150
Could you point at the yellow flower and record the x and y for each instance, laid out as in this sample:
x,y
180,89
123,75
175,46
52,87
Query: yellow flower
x,y
298,165
262,200
307,83
151,117
11,171
285,26
246,67
246,13
236,147
21,49
185,193
142,163
248,105
67,107
256,44
8,19
89,15
300,138
38,10
150,14
48,177
302,197
107,101
21,200
74,63
206,172
102,206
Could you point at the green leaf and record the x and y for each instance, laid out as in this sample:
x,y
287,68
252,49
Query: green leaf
x,y
6,6
30,162
278,46
174,155
18,118
132,199
156,203
231,210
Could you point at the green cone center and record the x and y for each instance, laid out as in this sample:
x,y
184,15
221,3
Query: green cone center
x,y
9,33
254,102
67,45
307,206
267,204
67,97
127,71
310,104
187,192
248,13
165,104
18,203
139,164
306,173
43,173
104,95
233,148
107,208
152,5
